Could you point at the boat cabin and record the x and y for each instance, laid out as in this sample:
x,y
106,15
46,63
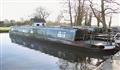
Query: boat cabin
x,y
38,21
70,34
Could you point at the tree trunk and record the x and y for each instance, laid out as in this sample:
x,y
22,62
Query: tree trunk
x,y
97,16
103,15
110,22
86,19
75,20
90,19
98,23
70,13
80,13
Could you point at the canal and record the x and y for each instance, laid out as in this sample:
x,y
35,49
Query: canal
x,y
16,55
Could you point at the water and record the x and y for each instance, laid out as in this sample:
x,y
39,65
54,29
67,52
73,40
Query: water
x,y
16,55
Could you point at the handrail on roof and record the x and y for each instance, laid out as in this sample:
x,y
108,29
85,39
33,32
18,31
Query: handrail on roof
x,y
117,40
116,35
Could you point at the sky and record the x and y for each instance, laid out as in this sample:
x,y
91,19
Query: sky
x,y
18,9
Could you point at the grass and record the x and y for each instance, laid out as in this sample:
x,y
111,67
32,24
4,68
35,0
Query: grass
x,y
4,29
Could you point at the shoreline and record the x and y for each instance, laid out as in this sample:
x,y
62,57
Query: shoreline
x,y
4,29
112,63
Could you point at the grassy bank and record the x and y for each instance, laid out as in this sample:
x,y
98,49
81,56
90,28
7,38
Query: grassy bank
x,y
4,29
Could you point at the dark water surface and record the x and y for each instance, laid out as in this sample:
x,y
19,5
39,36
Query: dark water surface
x,y
14,56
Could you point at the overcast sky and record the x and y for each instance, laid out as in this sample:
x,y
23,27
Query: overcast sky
x,y
17,9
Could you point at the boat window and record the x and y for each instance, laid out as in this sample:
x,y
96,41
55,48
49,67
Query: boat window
x,y
61,34
31,31
70,35
51,33
41,32
24,30
66,35
20,30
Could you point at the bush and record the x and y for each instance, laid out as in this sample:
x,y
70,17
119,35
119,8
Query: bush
x,y
4,29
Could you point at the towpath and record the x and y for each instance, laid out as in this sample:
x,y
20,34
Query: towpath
x,y
111,64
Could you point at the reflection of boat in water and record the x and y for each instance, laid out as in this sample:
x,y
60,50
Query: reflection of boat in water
x,y
64,37
69,57
66,53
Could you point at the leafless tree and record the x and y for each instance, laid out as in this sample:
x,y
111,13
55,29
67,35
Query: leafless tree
x,y
41,13
60,17
76,11
70,12
88,18
110,22
80,12
106,9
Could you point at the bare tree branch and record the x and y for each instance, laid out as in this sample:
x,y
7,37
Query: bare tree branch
x,y
111,9
113,12
41,13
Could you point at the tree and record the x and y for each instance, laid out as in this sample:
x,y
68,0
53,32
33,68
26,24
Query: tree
x,y
88,18
110,22
1,23
59,17
41,13
37,19
70,12
12,22
80,12
106,9
96,14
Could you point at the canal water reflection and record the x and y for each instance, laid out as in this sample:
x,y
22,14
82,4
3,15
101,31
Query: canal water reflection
x,y
20,54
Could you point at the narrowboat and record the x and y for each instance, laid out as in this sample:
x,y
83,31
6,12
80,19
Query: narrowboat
x,y
64,37
66,53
